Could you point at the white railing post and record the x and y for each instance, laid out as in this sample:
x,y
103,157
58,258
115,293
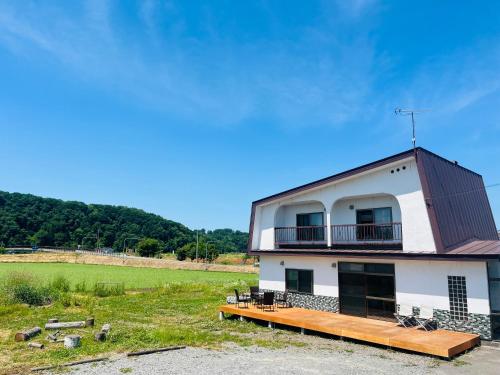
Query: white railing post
x,y
328,229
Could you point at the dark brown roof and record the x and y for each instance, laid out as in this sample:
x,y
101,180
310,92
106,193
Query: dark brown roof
x,y
477,250
457,204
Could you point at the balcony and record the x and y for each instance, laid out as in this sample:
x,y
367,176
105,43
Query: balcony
x,y
346,235
312,235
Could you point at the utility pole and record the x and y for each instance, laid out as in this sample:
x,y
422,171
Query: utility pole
x,y
98,244
196,245
206,250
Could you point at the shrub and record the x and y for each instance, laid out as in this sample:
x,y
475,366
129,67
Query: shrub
x,y
61,284
181,254
148,247
66,299
3,250
109,289
81,287
21,287
245,257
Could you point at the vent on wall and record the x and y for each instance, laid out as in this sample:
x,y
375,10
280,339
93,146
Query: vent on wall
x,y
398,169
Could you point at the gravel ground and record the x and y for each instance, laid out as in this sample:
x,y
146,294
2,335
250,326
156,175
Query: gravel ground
x,y
327,357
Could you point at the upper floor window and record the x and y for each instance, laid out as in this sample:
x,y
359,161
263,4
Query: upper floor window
x,y
312,219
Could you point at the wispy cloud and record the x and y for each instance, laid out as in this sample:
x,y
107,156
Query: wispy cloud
x,y
318,79
455,82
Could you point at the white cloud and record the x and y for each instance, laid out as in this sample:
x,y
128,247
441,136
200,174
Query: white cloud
x,y
319,79
452,83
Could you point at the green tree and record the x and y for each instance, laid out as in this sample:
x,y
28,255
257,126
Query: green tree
x,y
26,219
148,247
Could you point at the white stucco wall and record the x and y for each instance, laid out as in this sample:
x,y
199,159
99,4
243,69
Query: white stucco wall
x,y
426,283
286,216
342,214
404,186
272,274
417,282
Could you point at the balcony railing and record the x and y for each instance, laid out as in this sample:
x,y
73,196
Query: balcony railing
x,y
300,235
340,234
367,233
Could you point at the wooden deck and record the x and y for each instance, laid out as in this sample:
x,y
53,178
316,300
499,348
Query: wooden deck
x,y
440,342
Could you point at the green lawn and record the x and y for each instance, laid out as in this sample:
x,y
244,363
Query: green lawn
x,y
181,311
133,277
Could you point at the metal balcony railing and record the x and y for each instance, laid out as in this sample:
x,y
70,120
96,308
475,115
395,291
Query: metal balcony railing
x,y
340,234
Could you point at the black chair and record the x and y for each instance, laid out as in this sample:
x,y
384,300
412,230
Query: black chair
x,y
255,297
241,299
267,301
283,300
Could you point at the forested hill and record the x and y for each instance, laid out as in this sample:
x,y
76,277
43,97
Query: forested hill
x,y
29,219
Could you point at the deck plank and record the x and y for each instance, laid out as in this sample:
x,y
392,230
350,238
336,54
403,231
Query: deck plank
x,y
442,343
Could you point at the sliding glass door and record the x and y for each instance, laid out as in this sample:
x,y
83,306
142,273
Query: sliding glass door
x,y
374,224
367,289
310,227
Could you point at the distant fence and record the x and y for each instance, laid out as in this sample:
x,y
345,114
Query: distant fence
x,y
20,249
88,252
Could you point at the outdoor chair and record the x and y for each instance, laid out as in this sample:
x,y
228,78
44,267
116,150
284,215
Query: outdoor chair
x,y
267,301
283,300
241,299
405,316
425,318
254,295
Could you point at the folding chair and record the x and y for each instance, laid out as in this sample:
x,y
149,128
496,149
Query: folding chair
x,y
405,316
425,318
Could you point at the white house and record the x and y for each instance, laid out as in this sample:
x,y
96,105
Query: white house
x,y
413,228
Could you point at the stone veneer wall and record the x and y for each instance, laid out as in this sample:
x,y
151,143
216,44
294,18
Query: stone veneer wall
x,y
476,323
309,301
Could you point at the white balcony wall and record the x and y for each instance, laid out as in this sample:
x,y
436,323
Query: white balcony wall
x,y
342,214
403,185
286,216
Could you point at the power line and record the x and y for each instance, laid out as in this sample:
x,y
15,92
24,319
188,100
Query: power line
x,y
465,192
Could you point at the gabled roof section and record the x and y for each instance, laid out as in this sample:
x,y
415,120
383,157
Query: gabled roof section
x,y
339,176
457,202
456,199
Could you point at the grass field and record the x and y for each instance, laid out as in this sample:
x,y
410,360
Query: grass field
x,y
134,278
181,309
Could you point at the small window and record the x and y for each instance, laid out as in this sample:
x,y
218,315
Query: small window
x,y
351,267
299,280
457,291
379,268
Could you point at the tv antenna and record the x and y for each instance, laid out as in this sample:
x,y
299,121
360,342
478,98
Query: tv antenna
x,y
410,112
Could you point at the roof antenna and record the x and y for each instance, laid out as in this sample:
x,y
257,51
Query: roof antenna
x,y
410,112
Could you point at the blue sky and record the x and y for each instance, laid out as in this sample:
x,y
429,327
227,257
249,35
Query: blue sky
x,y
191,110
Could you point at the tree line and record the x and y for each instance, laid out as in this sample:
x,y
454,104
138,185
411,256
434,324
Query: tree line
x,y
27,219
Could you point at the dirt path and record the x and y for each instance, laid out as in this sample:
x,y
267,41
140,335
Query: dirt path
x,y
45,257
336,358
